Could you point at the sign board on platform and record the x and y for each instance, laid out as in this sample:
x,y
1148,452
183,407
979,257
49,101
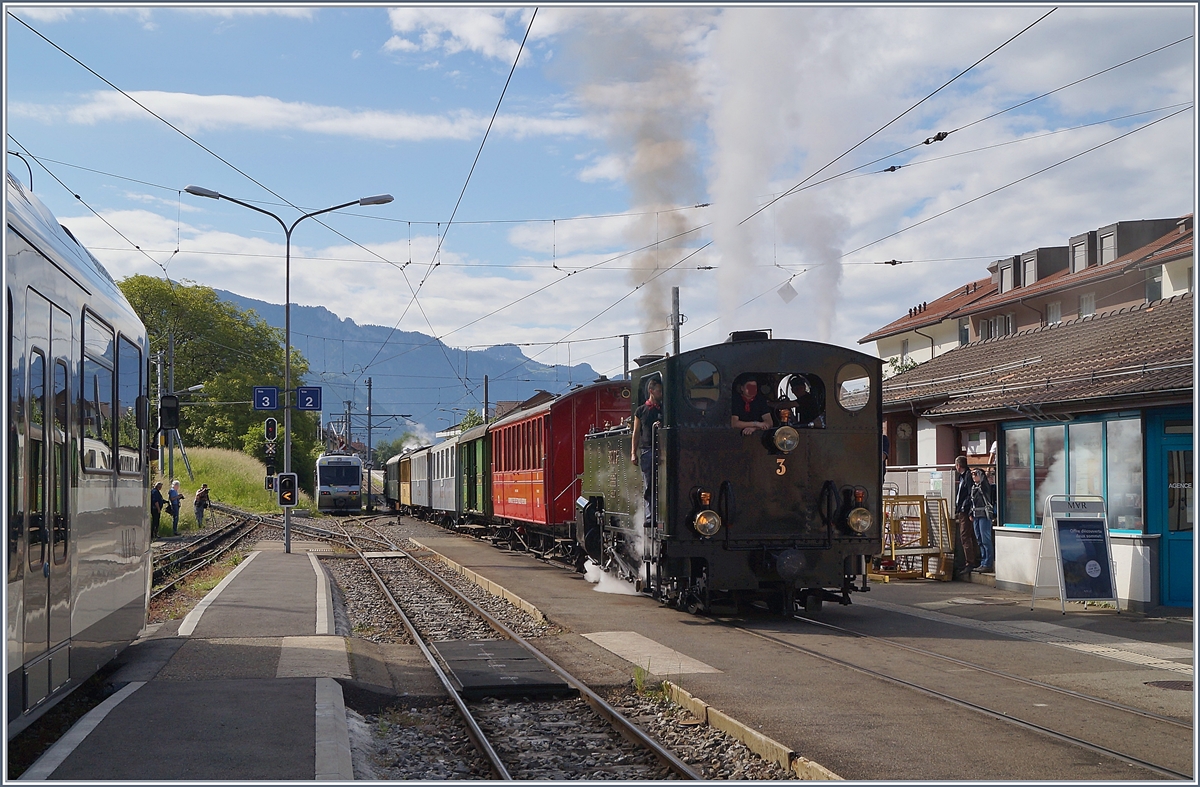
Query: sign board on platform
x,y
1075,551
308,397
266,397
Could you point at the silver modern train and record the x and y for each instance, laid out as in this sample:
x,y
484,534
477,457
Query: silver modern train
x,y
339,483
79,565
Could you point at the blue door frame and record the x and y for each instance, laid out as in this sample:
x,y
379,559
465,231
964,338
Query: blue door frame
x,y
1169,452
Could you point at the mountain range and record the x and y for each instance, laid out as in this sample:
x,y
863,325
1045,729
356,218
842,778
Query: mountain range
x,y
418,383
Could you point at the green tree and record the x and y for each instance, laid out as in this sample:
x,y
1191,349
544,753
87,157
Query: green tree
x,y
230,351
471,419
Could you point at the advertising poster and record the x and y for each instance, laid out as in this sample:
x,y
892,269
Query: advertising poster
x,y
1086,568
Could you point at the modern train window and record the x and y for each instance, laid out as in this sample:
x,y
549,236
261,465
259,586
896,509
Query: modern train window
x,y
853,387
15,380
60,475
96,396
36,495
702,385
129,387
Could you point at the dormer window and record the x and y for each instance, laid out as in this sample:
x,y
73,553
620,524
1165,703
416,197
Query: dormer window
x,y
1082,252
1108,248
1029,275
1006,278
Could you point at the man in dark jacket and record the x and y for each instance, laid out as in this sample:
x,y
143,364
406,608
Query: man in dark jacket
x,y
157,503
983,508
962,515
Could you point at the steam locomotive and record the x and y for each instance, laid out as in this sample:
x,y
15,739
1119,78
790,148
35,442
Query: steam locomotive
x,y
788,515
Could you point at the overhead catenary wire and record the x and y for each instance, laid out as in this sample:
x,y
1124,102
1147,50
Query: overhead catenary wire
x,y
898,117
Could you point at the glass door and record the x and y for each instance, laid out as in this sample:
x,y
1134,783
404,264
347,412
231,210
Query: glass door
x,y
1177,586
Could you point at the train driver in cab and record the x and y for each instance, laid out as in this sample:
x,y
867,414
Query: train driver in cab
x,y
751,410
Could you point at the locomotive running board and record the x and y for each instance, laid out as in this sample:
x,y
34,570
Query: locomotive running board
x,y
498,668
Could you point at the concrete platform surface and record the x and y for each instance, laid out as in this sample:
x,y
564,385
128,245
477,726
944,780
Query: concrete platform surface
x,y
248,681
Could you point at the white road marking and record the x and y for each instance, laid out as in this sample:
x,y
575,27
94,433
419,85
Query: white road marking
x,y
54,756
193,618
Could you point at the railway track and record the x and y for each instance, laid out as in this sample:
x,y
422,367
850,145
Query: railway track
x,y
1091,723
510,732
176,565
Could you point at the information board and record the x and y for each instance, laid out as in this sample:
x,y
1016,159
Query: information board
x,y
1084,560
1074,553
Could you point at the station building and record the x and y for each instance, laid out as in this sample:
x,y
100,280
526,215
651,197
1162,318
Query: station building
x,y
1069,370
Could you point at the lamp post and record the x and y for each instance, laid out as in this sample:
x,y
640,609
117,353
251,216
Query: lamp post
x,y
379,199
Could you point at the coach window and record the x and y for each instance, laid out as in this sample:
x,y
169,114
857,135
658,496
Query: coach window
x,y
702,385
96,398
37,472
129,385
853,387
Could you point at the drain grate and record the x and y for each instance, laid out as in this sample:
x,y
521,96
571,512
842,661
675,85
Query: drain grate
x,y
1177,685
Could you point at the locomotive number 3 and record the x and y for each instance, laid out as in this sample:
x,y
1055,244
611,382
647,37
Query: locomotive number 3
x,y
780,467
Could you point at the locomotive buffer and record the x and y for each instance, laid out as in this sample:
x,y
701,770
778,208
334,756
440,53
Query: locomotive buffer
x,y
498,668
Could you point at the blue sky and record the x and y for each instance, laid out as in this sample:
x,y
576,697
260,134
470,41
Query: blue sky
x,y
617,122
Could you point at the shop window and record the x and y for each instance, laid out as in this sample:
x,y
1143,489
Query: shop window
x,y
1124,469
1086,473
1181,500
1017,507
1049,466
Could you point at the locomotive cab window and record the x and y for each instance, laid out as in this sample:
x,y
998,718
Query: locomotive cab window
x,y
702,385
794,399
853,387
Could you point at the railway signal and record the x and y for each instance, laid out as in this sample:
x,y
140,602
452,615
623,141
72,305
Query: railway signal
x,y
272,429
285,486
168,412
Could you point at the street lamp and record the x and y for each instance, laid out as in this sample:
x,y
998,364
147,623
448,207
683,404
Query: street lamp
x,y
379,199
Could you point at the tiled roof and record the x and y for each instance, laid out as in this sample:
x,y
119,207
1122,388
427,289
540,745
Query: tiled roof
x,y
937,310
1172,245
1093,362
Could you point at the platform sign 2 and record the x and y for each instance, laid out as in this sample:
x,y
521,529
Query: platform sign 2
x,y
308,397
266,397
1075,551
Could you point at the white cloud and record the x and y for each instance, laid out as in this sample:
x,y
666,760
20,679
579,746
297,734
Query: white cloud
x,y
453,30
195,113
41,13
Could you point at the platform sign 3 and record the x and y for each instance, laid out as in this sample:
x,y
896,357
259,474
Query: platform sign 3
x,y
266,397
308,397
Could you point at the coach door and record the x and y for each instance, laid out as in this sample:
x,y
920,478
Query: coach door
x,y
47,600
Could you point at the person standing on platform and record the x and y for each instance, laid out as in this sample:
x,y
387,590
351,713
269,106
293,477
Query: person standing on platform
x,y
642,447
962,516
157,502
174,500
200,505
982,507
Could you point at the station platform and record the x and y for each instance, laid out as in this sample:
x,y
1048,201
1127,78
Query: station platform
x,y
244,687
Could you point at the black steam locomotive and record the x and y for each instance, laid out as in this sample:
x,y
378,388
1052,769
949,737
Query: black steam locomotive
x,y
788,515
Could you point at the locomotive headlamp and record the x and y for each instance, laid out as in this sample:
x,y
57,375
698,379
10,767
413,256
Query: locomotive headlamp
x,y
706,498
707,523
786,439
859,520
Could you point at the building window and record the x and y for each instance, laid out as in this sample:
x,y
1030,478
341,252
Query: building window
x,y
1006,278
964,328
1101,457
1108,248
1087,304
1154,282
1078,257
1029,275
1054,313
904,351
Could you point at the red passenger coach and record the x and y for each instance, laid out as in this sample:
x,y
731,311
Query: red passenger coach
x,y
537,456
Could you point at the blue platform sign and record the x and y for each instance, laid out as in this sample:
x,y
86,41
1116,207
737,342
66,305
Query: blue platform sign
x,y
266,397
308,397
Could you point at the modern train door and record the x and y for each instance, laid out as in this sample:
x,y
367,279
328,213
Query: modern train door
x,y
47,586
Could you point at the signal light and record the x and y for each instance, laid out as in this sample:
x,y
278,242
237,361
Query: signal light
x,y
168,412
285,486
272,429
